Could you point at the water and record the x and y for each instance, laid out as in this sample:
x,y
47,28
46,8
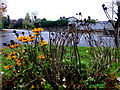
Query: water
x,y
9,35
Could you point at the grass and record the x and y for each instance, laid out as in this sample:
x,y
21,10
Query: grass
x,y
84,53
57,64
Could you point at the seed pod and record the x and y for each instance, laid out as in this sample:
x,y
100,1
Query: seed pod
x,y
12,42
5,44
14,31
17,34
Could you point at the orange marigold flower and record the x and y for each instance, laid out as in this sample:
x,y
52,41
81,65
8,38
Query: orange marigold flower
x,y
19,64
41,56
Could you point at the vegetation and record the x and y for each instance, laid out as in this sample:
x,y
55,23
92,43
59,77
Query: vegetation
x,y
61,64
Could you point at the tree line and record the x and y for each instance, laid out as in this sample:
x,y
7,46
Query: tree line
x,y
28,23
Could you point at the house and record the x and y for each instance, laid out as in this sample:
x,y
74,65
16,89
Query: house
x,y
72,20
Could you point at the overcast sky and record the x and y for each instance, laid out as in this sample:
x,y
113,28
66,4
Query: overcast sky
x,y
53,9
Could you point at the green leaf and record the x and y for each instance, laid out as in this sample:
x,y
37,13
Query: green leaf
x,y
47,86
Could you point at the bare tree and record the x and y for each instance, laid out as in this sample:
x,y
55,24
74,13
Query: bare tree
x,y
3,7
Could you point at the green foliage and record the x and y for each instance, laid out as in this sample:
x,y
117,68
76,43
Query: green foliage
x,y
59,65
45,23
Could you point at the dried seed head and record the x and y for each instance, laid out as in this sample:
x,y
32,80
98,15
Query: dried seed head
x,y
52,33
5,44
14,31
17,34
12,42
23,33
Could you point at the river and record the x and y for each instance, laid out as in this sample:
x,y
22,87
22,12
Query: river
x,y
8,35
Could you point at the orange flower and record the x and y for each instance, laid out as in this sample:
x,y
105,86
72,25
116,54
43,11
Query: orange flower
x,y
31,37
14,46
36,33
40,29
24,40
8,67
37,29
19,38
14,56
9,58
41,56
43,42
19,64
24,37
13,53
17,60
30,40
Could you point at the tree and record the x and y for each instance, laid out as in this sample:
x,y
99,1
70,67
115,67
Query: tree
x,y
3,7
5,22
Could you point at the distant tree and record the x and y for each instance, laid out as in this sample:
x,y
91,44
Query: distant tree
x,y
3,7
5,22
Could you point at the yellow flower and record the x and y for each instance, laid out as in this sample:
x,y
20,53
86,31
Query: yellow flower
x,y
24,37
36,33
14,46
12,53
19,38
41,56
19,64
8,67
43,42
37,30
30,40
13,56
32,86
40,29
17,60
86,51
9,57
24,40
31,37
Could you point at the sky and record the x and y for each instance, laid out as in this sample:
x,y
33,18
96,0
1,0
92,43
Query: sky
x,y
54,9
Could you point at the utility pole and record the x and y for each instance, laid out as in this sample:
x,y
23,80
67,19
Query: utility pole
x,y
118,4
